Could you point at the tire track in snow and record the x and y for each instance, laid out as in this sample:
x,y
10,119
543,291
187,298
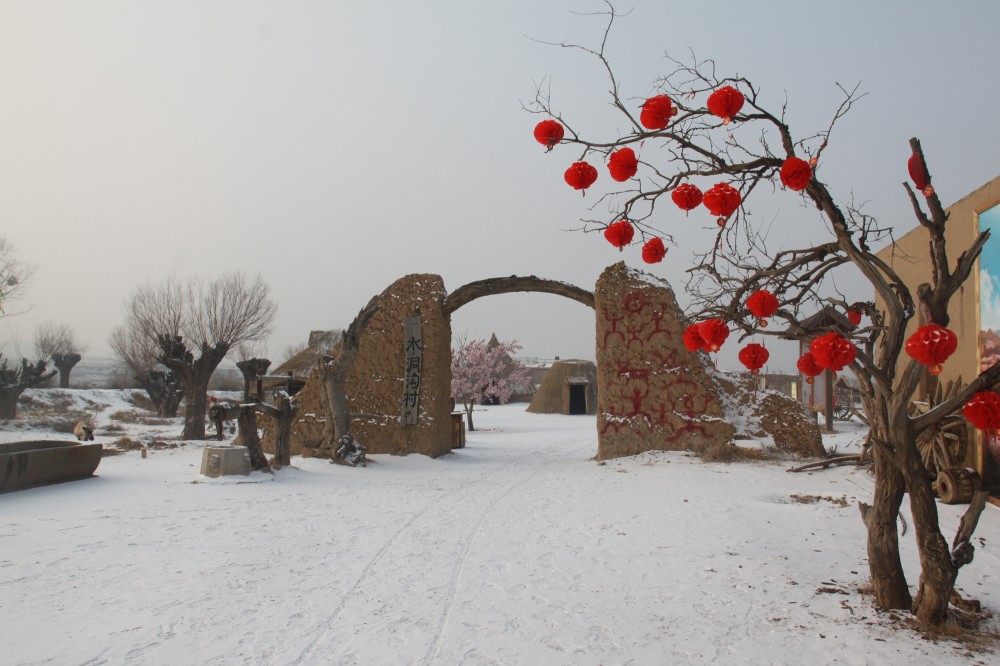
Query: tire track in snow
x,y
307,652
456,576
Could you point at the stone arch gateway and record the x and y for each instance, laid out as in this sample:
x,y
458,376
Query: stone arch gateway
x,y
652,392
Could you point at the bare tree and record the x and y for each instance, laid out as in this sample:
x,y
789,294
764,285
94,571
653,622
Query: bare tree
x,y
140,354
213,317
15,380
14,276
748,152
58,342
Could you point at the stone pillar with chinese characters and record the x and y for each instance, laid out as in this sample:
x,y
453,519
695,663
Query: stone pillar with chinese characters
x,y
413,354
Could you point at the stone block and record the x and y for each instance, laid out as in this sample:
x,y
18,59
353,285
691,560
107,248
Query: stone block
x,y
225,460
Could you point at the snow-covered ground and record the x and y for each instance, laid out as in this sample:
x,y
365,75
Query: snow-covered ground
x,y
518,549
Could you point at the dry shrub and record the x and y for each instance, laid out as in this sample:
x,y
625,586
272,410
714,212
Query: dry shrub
x,y
127,444
728,453
142,401
812,499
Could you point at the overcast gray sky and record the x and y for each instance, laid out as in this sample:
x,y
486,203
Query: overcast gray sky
x,y
336,146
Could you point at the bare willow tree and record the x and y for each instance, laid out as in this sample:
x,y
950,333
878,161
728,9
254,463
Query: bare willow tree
x,y
141,355
748,152
195,324
16,380
59,343
14,276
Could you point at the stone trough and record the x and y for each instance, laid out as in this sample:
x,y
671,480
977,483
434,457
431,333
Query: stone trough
x,y
26,464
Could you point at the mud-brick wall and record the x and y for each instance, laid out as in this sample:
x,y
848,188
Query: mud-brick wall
x,y
375,382
654,393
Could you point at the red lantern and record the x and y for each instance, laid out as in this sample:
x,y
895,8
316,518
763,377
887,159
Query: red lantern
x,y
714,332
580,175
692,338
725,103
795,174
657,112
807,366
983,411
619,233
549,133
623,164
762,304
686,196
722,200
653,251
918,174
854,316
833,351
932,345
754,356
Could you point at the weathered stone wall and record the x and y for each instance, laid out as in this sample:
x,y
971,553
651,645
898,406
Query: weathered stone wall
x,y
654,393
375,382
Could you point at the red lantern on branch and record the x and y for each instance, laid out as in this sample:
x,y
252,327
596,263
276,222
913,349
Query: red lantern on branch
x,y
549,133
686,196
762,304
983,411
754,356
653,251
931,345
619,233
580,175
725,103
714,332
832,351
722,200
854,316
623,164
657,112
808,366
918,174
796,174
693,341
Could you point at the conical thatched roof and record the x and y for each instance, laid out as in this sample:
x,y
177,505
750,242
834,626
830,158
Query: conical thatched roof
x,y
553,396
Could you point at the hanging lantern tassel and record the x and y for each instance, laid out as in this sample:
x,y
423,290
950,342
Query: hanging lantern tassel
x,y
754,356
722,200
580,176
807,366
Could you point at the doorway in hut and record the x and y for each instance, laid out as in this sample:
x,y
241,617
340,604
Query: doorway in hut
x,y
577,398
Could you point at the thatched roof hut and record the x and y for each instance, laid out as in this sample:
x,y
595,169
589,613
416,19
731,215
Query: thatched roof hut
x,y
569,387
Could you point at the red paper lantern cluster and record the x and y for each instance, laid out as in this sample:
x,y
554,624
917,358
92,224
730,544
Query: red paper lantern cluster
x,y
549,133
708,335
580,175
918,174
722,200
833,351
762,304
692,338
754,356
619,233
931,345
854,316
653,251
657,112
983,411
808,366
725,103
687,196
623,164
714,332
796,174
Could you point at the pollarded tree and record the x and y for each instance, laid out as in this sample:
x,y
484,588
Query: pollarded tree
x,y
58,342
140,354
483,371
703,131
213,317
16,380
